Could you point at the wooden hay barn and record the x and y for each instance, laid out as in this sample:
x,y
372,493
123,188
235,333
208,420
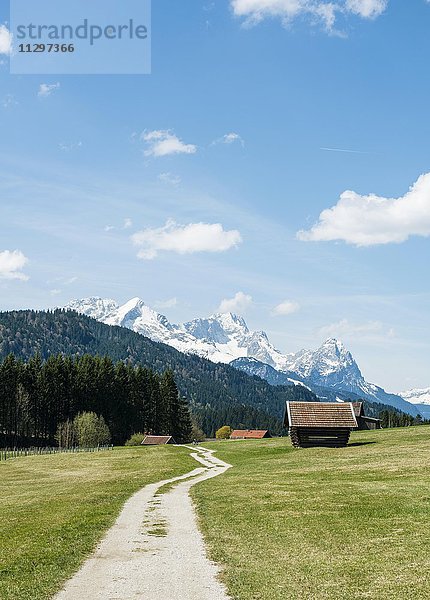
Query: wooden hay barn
x,y
249,434
157,440
364,422
326,424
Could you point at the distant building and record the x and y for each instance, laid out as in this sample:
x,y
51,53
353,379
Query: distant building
x,y
363,421
326,424
157,440
249,434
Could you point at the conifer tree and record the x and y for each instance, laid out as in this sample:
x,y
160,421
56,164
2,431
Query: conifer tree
x,y
177,411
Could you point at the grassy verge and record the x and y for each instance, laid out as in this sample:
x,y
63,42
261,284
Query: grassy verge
x,y
54,509
331,524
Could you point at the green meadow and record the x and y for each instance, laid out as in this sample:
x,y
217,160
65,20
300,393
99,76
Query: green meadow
x,y
331,524
55,508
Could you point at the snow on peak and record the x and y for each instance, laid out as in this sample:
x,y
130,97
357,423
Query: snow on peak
x,y
95,307
334,345
330,363
139,317
231,322
417,396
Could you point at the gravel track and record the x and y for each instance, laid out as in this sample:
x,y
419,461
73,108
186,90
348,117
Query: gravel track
x,y
154,551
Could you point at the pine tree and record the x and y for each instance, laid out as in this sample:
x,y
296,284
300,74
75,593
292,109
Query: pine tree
x,y
177,410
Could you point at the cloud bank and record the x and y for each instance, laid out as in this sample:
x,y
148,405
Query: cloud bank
x,y
372,220
185,239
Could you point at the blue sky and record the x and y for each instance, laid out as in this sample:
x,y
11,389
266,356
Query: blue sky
x,y
240,124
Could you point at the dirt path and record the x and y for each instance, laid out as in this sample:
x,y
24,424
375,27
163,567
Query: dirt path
x,y
154,551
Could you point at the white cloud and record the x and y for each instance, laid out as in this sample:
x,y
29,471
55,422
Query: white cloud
x,y
371,220
11,265
46,89
5,40
165,143
170,303
287,307
254,11
169,178
55,292
185,239
229,138
345,329
127,224
238,304
369,9
109,228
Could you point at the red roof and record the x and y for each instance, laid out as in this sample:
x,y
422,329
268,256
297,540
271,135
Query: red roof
x,y
157,440
249,434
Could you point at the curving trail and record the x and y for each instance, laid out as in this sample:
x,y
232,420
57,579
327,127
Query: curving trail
x,y
154,551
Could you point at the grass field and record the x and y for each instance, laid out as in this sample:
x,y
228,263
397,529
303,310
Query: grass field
x,y
331,524
55,508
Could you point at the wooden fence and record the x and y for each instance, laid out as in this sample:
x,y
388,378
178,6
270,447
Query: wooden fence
x,y
6,453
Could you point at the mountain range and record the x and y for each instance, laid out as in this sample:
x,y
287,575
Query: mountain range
x,y
330,371
420,398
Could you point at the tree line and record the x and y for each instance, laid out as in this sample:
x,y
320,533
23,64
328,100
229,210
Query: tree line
x,y
36,396
392,418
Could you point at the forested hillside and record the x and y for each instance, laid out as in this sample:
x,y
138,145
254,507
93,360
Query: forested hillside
x,y
218,393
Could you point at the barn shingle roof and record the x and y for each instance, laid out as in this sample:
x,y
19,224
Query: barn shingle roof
x,y
320,414
157,440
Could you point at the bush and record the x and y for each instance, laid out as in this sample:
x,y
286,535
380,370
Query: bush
x,y
135,440
223,433
91,430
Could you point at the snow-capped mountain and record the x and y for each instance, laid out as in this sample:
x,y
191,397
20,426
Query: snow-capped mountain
x,y
420,398
220,338
230,335
332,367
226,337
417,396
97,308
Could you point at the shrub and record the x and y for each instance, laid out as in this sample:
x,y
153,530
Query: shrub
x,y
91,430
223,433
135,440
